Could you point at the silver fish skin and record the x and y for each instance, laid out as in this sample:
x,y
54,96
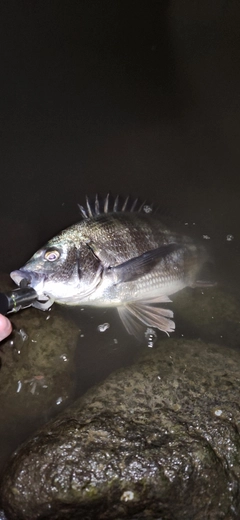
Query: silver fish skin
x,y
123,258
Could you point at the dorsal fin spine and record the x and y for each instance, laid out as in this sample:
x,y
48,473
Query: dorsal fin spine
x,y
83,212
97,209
105,209
125,203
134,205
141,207
115,205
90,213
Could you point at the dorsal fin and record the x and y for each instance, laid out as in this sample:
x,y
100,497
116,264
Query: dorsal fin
x,y
99,206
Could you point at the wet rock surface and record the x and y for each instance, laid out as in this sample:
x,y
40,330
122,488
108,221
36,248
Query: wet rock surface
x,y
37,367
157,440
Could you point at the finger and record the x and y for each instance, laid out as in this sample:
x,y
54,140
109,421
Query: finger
x,y
5,327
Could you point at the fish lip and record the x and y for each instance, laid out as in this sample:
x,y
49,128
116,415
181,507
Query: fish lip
x,y
32,279
19,275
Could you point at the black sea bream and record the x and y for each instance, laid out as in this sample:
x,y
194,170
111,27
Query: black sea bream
x,y
124,258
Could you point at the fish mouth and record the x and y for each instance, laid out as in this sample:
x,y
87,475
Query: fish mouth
x,y
24,275
35,280
19,276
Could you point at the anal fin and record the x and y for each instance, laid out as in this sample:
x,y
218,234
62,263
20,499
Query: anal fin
x,y
136,316
133,326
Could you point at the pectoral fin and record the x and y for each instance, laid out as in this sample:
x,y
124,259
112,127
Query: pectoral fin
x,y
140,265
136,316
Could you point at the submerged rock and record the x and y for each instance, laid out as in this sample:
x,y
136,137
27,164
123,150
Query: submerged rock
x,y
37,367
157,440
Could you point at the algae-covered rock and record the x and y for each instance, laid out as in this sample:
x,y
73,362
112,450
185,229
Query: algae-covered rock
x,y
157,440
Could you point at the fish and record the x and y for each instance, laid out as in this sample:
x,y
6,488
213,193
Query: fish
x,y
118,255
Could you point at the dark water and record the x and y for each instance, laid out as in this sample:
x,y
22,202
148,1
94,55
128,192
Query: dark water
x,y
140,98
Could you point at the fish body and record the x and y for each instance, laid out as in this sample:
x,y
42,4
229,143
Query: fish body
x,y
123,258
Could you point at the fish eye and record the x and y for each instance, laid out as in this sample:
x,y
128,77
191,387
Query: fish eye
x,y
52,255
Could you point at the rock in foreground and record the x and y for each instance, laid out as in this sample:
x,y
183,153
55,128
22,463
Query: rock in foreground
x,y
156,440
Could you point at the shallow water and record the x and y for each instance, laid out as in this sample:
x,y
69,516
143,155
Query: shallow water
x,y
97,99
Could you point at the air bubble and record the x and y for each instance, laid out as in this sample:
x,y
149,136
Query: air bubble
x,y
229,238
19,386
64,357
127,496
151,337
103,327
147,209
23,334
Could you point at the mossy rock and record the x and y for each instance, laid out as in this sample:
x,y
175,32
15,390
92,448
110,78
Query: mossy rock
x,y
157,440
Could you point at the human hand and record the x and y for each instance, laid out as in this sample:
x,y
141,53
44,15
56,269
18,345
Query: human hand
x,y
5,327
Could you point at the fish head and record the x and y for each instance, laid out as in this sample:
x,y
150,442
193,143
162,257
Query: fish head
x,y
61,270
